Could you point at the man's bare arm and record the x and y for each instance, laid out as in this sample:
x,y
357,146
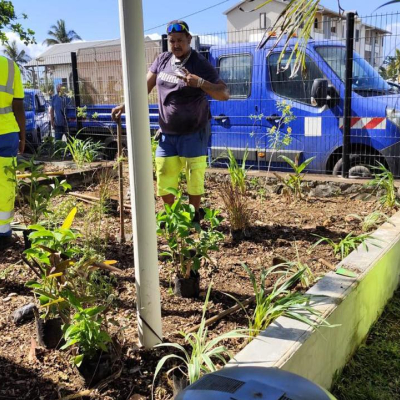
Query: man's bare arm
x,y
151,81
218,91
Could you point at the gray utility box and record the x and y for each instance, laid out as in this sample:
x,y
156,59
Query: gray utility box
x,y
249,383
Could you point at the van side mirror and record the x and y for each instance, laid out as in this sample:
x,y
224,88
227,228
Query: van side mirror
x,y
333,96
319,92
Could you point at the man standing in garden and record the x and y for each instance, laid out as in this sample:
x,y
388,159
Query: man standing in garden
x,y
183,78
12,140
58,110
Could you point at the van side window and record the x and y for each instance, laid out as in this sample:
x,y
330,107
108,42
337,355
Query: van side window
x,y
236,72
297,88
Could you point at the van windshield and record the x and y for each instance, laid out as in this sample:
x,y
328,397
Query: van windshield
x,y
366,81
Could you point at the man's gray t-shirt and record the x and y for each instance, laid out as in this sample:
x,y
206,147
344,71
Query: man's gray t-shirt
x,y
182,109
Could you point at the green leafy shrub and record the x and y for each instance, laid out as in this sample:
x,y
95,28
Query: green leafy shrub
x,y
188,243
56,255
86,330
37,196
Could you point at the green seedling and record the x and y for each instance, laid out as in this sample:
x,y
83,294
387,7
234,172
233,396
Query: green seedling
x,y
345,246
202,354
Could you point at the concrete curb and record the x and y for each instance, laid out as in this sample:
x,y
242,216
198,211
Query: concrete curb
x,y
353,303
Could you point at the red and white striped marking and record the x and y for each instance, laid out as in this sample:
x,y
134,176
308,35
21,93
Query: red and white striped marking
x,y
365,123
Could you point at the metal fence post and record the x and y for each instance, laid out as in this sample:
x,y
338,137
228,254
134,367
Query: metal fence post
x,y
347,93
77,96
164,42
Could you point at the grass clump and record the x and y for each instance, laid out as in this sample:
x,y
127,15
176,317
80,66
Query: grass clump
x,y
384,182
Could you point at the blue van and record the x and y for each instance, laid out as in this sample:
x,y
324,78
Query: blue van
x,y
37,118
316,98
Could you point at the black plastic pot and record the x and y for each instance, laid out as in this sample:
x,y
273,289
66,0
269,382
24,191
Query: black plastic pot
x,y
49,333
179,381
97,368
187,287
27,242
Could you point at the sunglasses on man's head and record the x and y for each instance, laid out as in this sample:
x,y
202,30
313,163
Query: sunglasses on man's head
x,y
177,28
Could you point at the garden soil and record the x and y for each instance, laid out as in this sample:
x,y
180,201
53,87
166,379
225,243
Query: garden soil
x,y
280,230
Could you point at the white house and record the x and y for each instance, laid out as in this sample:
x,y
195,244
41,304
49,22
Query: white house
x,y
328,25
99,67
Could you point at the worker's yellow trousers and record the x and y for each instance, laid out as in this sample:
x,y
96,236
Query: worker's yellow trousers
x,y
8,151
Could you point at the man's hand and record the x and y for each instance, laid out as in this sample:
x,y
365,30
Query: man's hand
x,y
218,91
190,79
117,112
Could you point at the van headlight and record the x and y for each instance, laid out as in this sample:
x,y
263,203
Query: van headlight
x,y
393,116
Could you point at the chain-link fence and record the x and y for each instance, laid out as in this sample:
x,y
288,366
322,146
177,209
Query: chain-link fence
x,y
274,111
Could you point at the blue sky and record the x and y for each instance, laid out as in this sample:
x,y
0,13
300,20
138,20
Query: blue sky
x,y
98,19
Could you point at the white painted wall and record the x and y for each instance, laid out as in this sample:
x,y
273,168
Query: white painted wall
x,y
353,304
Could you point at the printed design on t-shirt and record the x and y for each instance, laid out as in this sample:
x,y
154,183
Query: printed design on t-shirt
x,y
168,77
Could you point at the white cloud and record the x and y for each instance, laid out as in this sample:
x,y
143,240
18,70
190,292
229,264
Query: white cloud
x,y
33,50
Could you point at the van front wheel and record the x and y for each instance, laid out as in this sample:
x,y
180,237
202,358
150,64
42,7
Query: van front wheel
x,y
359,168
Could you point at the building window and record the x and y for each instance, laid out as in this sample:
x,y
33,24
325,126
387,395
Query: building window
x,y
64,83
316,23
263,21
333,27
236,72
357,35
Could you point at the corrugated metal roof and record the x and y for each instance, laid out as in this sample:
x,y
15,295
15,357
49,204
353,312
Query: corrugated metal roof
x,y
61,53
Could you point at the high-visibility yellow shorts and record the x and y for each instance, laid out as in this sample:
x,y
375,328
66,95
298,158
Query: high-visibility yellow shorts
x,y
169,168
177,152
8,151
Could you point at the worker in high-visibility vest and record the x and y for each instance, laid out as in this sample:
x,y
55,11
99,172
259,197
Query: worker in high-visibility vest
x,y
12,140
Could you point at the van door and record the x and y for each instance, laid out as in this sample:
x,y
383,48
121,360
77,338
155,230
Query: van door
x,y
42,119
231,124
313,130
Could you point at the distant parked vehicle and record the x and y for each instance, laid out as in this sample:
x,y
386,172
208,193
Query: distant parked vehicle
x,y
37,119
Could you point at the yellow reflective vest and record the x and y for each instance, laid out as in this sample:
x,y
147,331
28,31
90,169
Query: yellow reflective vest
x,y
10,88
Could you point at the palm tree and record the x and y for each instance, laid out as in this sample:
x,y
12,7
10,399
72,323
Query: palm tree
x,y
296,19
60,34
19,57
391,67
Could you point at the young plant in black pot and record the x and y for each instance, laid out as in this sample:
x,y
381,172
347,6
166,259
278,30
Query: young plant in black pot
x,y
50,257
86,335
189,244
